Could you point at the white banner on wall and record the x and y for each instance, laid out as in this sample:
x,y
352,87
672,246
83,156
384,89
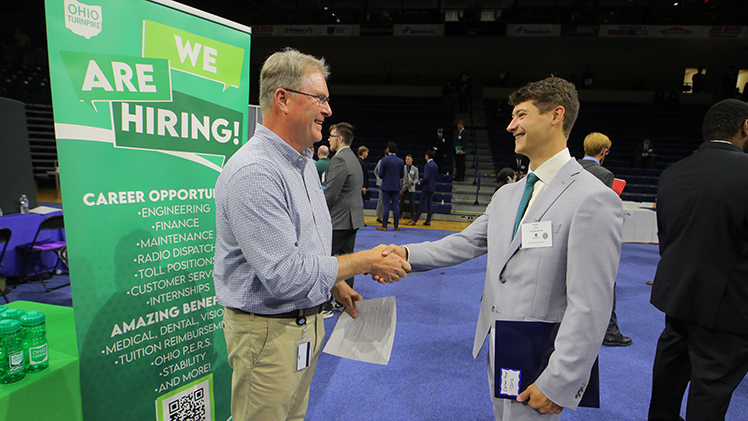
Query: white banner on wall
x,y
419,30
533,30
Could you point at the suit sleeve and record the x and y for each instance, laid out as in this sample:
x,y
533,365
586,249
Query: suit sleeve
x,y
376,173
451,250
427,175
593,254
608,179
365,173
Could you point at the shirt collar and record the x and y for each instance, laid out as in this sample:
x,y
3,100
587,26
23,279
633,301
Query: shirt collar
x,y
591,158
277,144
547,172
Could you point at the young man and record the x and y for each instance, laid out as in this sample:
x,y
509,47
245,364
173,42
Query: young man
x,y
461,141
391,172
408,187
343,181
428,186
568,278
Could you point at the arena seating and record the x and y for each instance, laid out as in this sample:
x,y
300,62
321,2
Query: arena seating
x,y
674,130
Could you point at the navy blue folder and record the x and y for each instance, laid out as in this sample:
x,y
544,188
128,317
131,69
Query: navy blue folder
x,y
526,346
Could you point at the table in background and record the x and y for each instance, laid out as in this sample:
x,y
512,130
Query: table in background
x,y
55,393
23,229
639,223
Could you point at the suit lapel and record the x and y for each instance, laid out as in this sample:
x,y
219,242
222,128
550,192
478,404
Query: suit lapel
x,y
552,192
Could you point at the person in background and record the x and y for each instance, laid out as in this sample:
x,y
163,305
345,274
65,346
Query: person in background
x,y
461,140
439,144
323,153
596,148
644,154
363,153
701,282
408,187
343,182
520,164
378,181
428,186
391,171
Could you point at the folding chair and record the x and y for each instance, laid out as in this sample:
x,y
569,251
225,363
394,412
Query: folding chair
x,y
39,247
63,255
5,234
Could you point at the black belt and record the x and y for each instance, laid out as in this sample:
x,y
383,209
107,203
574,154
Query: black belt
x,y
300,315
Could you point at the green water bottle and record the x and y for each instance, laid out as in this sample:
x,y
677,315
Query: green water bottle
x,y
12,363
35,349
13,314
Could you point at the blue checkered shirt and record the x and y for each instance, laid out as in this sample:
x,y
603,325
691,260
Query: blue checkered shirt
x,y
273,230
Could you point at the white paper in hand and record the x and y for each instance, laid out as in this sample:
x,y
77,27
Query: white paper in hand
x,y
368,338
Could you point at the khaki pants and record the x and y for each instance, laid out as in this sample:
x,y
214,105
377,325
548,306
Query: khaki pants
x,y
263,353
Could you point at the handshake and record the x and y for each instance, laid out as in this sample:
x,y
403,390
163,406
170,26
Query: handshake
x,y
386,264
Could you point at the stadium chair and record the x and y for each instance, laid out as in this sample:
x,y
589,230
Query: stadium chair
x,y
40,247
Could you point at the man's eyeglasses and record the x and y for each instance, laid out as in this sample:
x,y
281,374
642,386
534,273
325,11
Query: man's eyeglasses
x,y
321,99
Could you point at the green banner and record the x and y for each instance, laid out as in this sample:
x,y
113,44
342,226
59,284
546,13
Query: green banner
x,y
149,103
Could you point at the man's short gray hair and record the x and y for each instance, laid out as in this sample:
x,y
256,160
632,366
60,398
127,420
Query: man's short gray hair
x,y
286,69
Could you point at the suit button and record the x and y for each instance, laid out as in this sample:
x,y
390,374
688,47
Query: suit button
x,y
502,280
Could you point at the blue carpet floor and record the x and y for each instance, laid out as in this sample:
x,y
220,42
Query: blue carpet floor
x,y
432,375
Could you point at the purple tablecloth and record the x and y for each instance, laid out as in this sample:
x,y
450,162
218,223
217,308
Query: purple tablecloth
x,y
23,229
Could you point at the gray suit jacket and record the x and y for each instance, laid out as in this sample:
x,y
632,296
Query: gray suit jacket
x,y
602,173
570,282
343,182
405,183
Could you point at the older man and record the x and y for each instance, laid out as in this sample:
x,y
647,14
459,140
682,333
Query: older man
x,y
596,148
273,268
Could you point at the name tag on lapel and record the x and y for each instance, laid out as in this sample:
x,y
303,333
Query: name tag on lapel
x,y
537,234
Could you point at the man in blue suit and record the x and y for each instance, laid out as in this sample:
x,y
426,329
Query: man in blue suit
x,y
391,171
428,186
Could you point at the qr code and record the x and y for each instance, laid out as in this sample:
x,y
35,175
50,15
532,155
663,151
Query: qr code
x,y
189,407
190,403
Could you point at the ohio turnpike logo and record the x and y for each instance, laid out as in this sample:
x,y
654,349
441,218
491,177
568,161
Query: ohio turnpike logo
x,y
82,19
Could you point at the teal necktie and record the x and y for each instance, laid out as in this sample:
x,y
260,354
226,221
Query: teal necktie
x,y
526,195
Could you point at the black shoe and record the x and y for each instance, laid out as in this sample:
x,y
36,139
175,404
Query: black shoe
x,y
617,341
379,220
